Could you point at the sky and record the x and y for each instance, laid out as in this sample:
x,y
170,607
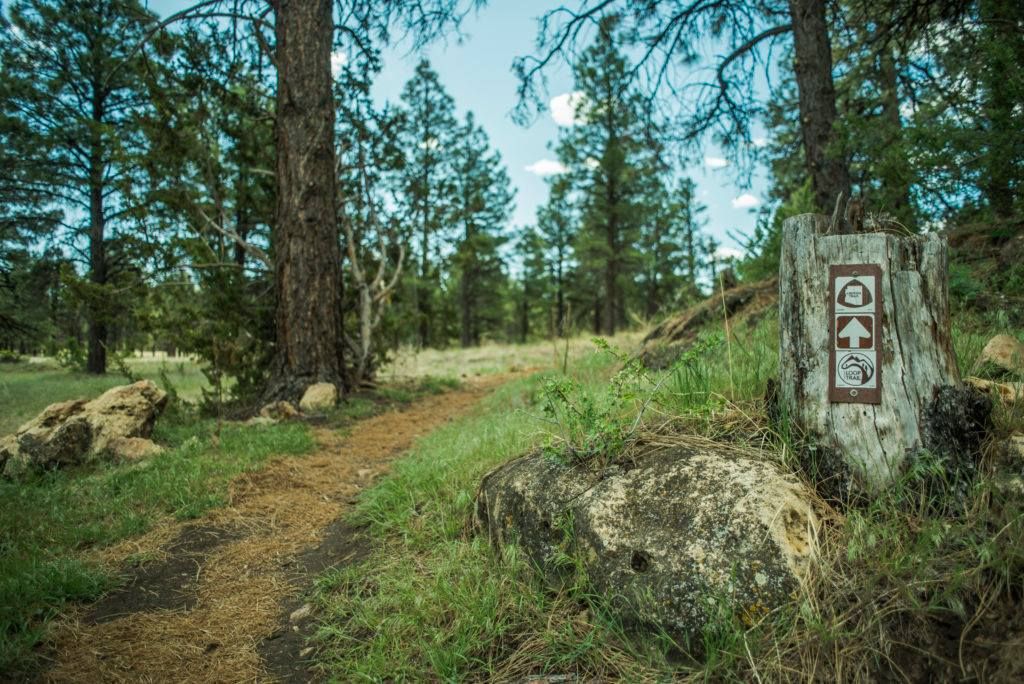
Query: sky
x,y
476,70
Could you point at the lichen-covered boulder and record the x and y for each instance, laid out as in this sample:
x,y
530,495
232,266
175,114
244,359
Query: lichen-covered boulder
x,y
1004,352
321,396
116,424
672,538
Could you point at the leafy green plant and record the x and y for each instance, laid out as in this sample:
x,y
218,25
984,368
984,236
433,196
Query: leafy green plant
x,y
8,356
71,357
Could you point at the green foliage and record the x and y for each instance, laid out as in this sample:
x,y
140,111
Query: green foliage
x,y
611,160
430,602
74,93
765,245
71,357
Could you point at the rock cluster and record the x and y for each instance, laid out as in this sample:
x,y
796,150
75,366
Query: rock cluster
x,y
117,425
674,537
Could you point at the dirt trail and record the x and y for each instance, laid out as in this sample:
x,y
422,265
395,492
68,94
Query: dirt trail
x,y
221,588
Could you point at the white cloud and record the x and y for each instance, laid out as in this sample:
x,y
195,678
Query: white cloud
x,y
745,201
563,108
546,167
338,61
428,144
591,163
715,162
760,141
727,253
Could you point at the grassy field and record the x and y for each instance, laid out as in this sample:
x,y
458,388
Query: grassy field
x,y
54,524
491,358
28,388
904,577
434,601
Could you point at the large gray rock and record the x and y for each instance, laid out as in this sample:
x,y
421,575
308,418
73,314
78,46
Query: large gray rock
x,y
673,538
116,424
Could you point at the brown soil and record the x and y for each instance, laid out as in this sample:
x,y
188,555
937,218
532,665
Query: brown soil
x,y
214,605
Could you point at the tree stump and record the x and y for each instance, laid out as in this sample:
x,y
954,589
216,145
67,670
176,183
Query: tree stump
x,y
868,376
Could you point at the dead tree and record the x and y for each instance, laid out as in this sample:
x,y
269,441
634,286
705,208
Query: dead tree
x,y
868,376
374,295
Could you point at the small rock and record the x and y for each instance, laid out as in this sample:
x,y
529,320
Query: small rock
x,y
279,410
1004,351
319,397
364,472
300,614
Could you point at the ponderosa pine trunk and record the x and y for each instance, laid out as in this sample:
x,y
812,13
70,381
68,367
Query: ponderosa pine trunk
x,y
307,253
896,180
96,362
1001,30
467,291
830,174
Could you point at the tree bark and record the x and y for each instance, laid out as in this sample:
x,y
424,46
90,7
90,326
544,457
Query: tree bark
x,y
96,361
307,254
830,175
862,447
1000,159
467,291
896,178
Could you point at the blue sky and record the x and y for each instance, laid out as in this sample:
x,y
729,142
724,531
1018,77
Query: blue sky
x,y
476,71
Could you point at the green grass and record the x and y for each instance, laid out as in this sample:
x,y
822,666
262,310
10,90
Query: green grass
x,y
435,604
28,388
49,521
929,562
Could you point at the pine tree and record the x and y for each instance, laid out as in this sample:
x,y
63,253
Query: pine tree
x,y
369,161
75,85
671,248
482,204
531,285
557,223
214,206
608,158
428,136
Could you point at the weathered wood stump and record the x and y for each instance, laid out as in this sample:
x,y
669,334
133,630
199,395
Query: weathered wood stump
x,y
868,375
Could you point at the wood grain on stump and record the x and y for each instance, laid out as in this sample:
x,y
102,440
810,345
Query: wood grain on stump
x,y
922,403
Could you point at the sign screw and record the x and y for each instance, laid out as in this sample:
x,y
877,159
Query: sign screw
x,y
853,393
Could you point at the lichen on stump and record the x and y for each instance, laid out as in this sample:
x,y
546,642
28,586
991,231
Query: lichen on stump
x,y
861,447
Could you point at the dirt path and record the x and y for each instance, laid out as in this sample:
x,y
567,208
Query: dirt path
x,y
214,604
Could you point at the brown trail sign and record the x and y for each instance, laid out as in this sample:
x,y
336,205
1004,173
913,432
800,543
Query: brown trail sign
x,y
855,373
868,376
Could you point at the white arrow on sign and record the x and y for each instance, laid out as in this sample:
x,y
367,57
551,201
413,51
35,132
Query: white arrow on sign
x,y
853,331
